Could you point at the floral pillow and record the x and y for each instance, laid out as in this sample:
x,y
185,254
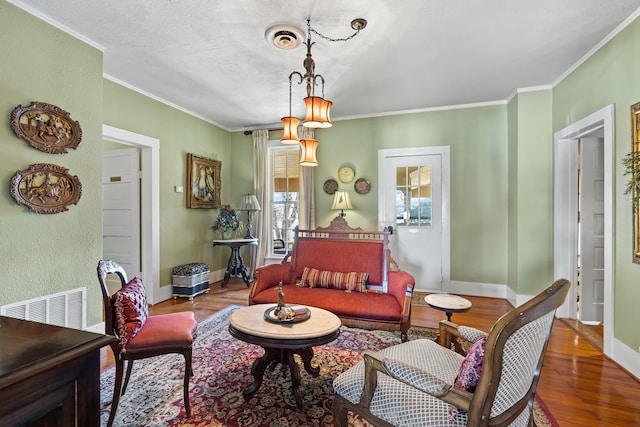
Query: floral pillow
x,y
470,371
471,367
130,310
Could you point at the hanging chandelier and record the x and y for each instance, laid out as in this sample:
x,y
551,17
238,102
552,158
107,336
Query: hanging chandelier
x,y
317,107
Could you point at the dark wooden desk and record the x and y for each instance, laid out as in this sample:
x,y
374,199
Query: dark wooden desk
x,y
235,265
49,375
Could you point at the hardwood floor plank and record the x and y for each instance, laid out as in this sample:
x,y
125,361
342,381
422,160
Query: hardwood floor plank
x,y
579,385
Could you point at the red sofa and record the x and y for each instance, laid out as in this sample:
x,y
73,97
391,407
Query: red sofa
x,y
386,304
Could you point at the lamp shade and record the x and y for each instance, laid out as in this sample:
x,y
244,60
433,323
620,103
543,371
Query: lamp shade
x,y
325,110
314,108
290,130
308,149
341,201
249,203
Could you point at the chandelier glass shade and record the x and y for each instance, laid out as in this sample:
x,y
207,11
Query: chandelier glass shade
x,y
290,130
308,149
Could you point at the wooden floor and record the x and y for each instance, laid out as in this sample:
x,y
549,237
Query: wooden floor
x,y
579,385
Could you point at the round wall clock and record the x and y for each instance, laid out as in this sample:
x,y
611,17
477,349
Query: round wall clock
x,y
346,174
330,186
362,186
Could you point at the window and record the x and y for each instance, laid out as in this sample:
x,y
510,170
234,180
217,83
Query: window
x,y
284,172
413,196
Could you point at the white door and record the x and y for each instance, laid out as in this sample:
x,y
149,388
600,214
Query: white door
x,y
591,304
121,209
414,201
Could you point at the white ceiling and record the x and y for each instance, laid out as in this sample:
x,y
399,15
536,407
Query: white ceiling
x,y
211,58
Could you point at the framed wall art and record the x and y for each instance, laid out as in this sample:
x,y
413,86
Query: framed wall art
x,y
45,188
203,182
46,127
632,169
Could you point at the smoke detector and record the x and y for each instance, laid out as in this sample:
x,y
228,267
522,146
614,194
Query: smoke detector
x,y
284,36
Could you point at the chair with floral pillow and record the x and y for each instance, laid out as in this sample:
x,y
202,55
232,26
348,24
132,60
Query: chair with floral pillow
x,y
139,335
427,384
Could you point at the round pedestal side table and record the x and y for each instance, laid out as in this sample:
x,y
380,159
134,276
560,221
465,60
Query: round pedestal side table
x,y
448,303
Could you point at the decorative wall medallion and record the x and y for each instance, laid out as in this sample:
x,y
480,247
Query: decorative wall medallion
x,y
362,186
45,188
330,186
46,127
346,174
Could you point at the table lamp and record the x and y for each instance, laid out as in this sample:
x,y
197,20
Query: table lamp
x,y
249,204
341,201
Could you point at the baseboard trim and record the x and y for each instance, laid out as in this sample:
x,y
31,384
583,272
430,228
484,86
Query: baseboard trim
x,y
478,289
627,358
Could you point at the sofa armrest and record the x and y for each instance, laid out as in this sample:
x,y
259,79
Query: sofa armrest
x,y
401,286
268,276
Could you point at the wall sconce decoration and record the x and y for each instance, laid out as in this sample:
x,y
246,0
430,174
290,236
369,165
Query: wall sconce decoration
x,y
249,204
45,188
46,127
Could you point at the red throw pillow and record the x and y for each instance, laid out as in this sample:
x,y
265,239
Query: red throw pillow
x,y
130,310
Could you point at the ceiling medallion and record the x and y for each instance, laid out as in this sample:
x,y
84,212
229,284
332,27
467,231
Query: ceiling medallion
x,y
285,37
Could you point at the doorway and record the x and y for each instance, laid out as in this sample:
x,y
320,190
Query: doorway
x,y
121,209
567,228
149,207
414,202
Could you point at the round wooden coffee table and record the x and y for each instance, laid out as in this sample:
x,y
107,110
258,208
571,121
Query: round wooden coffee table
x,y
282,340
448,303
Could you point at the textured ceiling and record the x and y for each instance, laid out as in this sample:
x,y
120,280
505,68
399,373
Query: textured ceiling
x,y
211,58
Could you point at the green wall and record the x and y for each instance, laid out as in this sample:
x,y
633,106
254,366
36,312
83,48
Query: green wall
x,y
478,141
530,193
611,77
46,254
185,234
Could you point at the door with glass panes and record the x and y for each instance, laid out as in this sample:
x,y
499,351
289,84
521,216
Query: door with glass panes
x,y
413,203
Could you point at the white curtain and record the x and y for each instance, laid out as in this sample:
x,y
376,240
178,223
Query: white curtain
x,y
306,218
261,229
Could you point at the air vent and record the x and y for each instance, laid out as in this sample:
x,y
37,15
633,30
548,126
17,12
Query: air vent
x,y
62,309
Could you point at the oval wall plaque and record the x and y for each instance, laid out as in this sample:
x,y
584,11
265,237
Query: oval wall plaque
x,y
46,127
45,188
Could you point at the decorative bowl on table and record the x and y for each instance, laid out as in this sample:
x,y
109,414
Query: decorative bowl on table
x,y
287,314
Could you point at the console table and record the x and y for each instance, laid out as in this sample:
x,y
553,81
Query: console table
x,y
235,265
49,375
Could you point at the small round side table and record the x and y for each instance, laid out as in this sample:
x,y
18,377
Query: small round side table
x,y
448,303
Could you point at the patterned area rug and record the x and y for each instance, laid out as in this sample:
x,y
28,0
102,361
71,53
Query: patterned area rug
x,y
417,298
221,366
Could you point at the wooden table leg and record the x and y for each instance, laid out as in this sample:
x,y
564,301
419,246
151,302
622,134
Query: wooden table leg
x,y
273,356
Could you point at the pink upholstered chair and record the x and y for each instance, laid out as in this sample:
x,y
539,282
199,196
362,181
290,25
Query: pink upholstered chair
x,y
139,335
427,384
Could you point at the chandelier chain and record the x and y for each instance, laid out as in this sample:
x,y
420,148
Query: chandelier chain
x,y
332,39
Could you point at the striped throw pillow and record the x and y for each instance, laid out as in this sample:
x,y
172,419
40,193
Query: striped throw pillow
x,y
351,281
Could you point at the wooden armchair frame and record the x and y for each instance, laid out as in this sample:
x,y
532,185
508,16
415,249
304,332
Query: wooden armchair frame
x,y
479,403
